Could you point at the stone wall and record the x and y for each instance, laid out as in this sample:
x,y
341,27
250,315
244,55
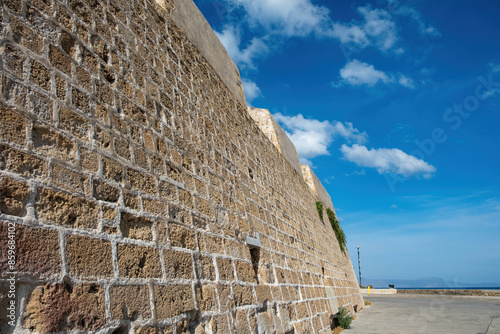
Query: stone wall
x,y
131,175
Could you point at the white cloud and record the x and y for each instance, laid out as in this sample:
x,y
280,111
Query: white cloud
x,y
357,73
329,179
252,91
394,206
380,26
406,82
301,18
349,33
387,161
490,93
377,28
494,67
230,38
313,137
287,17
349,132
417,18
356,173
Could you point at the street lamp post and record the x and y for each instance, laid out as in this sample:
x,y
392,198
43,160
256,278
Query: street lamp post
x,y
359,266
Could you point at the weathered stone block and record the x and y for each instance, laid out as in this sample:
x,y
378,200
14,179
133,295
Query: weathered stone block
x,y
88,257
14,5
204,207
112,170
141,159
204,267
59,60
172,300
181,236
14,59
135,227
20,162
68,44
65,308
206,296
122,148
80,100
263,293
154,206
61,88
214,244
12,126
243,295
130,302
75,124
245,272
40,75
242,322
141,181
51,143
37,250
131,200
25,36
60,208
179,214
178,264
105,192
138,262
70,180
13,195
226,269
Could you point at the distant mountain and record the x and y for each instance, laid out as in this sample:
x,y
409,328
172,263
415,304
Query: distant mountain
x,y
425,283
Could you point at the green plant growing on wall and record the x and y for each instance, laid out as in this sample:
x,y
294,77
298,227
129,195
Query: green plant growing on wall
x,y
319,207
345,317
339,233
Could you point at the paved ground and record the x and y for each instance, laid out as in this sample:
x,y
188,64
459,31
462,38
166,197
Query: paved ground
x,y
415,314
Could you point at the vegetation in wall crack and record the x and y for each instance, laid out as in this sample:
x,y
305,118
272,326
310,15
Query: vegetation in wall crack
x,y
319,207
345,317
339,233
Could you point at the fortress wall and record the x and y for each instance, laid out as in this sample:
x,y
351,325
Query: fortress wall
x,y
131,175
266,122
316,186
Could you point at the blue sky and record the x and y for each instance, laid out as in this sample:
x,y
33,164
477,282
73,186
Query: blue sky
x,y
396,106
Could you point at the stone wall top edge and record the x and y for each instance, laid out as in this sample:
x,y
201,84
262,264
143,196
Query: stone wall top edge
x,y
191,21
275,133
317,187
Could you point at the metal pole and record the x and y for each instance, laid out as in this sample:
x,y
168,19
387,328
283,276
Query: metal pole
x,y
359,266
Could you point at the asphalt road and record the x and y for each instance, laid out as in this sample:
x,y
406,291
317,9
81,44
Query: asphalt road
x,y
415,314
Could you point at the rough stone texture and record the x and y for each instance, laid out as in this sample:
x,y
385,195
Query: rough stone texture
x,y
13,195
37,250
182,237
60,208
57,308
130,302
135,227
178,264
129,162
88,257
12,126
190,20
172,300
137,261
206,297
